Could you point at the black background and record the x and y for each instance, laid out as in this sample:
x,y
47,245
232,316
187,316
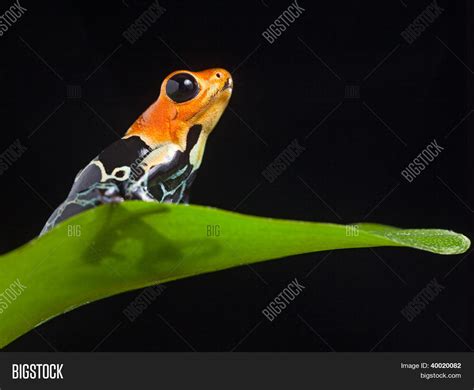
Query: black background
x,y
409,95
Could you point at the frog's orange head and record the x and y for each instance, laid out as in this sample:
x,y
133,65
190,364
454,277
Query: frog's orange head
x,y
186,99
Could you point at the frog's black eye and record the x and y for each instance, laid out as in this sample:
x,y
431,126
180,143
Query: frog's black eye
x,y
182,87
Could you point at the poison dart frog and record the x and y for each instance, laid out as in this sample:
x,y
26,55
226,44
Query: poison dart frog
x,y
157,158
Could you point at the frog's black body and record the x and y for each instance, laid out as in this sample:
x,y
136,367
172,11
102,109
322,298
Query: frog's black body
x,y
126,178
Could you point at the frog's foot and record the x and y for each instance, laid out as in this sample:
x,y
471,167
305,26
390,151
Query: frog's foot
x,y
140,192
109,195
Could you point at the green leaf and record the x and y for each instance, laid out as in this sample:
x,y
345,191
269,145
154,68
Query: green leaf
x,y
117,248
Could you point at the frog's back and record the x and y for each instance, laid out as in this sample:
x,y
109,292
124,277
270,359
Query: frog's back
x,y
113,164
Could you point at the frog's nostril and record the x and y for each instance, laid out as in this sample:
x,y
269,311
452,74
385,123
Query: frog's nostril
x,y
228,84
